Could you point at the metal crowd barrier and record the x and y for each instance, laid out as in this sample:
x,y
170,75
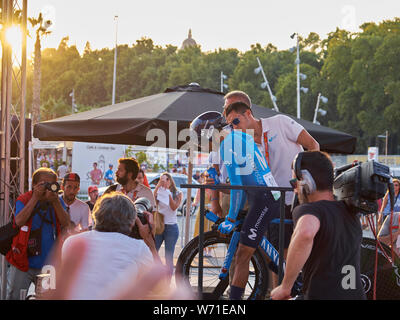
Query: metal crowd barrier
x,y
203,188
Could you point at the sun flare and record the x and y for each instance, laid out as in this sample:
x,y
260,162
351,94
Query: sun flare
x,y
14,37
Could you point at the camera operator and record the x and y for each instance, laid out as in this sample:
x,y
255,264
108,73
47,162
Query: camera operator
x,y
326,241
112,253
40,216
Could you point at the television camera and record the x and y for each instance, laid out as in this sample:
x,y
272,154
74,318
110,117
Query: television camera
x,y
361,184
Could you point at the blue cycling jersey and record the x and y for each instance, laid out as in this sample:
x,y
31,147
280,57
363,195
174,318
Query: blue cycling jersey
x,y
109,175
246,165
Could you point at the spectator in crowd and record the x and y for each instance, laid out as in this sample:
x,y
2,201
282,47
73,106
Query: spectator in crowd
x,y
152,282
128,169
220,200
389,233
51,158
326,241
62,170
93,193
197,175
168,201
207,223
385,207
40,157
109,175
142,179
96,175
78,210
41,217
112,254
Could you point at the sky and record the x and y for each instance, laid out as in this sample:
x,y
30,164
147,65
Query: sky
x,y
215,24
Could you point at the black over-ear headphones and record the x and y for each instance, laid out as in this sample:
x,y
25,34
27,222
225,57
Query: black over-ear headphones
x,y
304,177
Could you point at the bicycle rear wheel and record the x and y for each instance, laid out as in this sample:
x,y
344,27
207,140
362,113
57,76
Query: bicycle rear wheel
x,y
215,248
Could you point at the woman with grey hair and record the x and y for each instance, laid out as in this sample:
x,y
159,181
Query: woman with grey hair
x,y
114,213
112,254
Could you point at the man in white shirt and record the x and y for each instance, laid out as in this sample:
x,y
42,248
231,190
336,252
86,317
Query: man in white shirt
x,y
78,210
280,139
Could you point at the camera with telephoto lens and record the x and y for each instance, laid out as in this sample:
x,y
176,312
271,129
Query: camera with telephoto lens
x,y
141,205
52,186
361,184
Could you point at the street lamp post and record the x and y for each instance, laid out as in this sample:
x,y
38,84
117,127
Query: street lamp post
x,y
298,72
385,136
223,85
115,59
299,75
74,106
317,109
265,84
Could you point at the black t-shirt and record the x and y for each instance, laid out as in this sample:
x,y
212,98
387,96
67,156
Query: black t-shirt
x,y
91,205
332,270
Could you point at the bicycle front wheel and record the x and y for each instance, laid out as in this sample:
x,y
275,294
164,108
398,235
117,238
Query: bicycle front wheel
x,y
215,249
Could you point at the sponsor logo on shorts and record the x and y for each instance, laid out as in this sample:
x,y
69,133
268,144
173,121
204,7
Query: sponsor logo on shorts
x,y
253,234
254,230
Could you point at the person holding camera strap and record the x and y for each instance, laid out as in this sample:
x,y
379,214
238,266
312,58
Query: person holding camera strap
x,y
40,217
326,242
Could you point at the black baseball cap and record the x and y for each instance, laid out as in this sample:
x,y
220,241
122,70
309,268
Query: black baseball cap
x,y
71,177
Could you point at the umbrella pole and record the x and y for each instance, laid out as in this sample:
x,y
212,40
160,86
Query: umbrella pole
x,y
188,199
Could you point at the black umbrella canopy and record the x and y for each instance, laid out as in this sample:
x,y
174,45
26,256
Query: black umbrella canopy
x,y
129,122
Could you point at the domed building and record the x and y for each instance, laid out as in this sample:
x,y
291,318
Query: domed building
x,y
189,42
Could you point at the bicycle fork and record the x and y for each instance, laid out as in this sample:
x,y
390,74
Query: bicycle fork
x,y
229,255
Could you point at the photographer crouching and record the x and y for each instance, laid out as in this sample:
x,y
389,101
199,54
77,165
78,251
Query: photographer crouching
x,y
326,241
113,252
41,217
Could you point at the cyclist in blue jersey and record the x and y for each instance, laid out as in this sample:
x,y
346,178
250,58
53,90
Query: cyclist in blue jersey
x,y
246,166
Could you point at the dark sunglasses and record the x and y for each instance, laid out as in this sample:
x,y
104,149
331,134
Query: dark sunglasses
x,y
234,122
293,182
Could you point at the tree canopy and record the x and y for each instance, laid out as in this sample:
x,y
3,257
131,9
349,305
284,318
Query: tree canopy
x,y
358,72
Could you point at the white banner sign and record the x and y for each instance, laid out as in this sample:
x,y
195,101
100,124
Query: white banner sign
x,y
85,154
373,153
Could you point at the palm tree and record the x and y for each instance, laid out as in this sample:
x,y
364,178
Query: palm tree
x,y
41,26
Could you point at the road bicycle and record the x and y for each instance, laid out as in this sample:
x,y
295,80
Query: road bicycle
x,y
218,255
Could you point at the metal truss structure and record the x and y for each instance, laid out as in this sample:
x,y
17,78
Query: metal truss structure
x,y
12,117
